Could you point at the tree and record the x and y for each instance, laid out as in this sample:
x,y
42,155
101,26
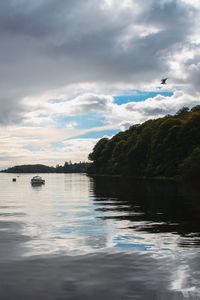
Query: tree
x,y
195,108
190,169
182,111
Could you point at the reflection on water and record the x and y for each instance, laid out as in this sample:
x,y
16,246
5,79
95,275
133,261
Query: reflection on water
x,y
78,214
144,237
163,208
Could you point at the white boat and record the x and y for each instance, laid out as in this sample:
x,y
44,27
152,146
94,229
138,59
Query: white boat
x,y
37,180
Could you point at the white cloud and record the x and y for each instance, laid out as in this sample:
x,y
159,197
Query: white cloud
x,y
152,108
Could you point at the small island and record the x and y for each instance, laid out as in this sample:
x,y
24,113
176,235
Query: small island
x,y
68,167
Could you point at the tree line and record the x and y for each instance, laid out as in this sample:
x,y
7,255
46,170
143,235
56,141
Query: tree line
x,y
164,147
68,167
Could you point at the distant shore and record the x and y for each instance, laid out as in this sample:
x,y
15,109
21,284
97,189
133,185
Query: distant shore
x,y
68,167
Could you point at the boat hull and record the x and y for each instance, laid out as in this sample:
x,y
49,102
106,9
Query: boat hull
x,y
37,181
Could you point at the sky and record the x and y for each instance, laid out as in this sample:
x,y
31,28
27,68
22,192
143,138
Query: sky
x,y
74,71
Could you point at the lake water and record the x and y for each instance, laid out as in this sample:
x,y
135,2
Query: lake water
x,y
78,237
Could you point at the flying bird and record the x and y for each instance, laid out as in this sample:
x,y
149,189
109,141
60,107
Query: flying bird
x,y
163,81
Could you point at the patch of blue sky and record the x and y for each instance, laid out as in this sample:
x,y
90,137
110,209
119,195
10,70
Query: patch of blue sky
x,y
32,148
57,145
85,121
98,134
139,96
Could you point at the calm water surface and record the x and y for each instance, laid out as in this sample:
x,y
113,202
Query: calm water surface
x,y
95,220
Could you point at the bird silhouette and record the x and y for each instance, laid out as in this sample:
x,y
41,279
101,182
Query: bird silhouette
x,y
164,80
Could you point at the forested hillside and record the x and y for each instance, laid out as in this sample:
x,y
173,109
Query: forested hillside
x,y
168,146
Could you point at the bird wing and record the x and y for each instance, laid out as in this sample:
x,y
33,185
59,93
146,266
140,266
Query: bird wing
x,y
163,81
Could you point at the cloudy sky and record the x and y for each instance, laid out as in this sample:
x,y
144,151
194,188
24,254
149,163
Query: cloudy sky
x,y
73,71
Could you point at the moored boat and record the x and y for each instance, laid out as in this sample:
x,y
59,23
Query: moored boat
x,y
37,180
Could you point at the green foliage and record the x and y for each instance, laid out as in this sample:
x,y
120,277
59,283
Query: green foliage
x,y
196,108
190,168
99,147
154,148
182,111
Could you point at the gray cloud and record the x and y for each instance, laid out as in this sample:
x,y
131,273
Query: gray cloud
x,y
169,14
88,103
49,44
12,110
193,74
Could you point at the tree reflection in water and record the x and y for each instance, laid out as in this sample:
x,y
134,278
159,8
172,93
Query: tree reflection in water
x,y
153,206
